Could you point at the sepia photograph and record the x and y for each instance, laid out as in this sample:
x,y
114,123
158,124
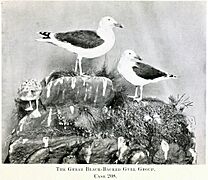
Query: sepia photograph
x,y
97,82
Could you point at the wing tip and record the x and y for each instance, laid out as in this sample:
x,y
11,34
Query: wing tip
x,y
45,36
173,76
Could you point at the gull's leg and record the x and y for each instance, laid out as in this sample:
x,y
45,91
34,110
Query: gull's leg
x,y
135,94
76,65
80,65
141,92
136,98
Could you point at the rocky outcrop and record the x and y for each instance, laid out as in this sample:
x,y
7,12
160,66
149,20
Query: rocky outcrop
x,y
84,119
86,90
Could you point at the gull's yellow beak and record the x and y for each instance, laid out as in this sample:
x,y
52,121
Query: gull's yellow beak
x,y
138,57
118,25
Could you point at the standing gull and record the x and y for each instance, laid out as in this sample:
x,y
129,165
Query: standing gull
x,y
139,73
85,43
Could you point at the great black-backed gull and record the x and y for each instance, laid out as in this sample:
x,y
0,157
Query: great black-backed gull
x,y
85,43
134,70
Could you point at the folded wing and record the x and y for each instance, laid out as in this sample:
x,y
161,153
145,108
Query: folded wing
x,y
82,38
148,72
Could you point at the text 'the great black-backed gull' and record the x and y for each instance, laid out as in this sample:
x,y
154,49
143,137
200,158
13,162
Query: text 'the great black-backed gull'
x,y
138,73
85,43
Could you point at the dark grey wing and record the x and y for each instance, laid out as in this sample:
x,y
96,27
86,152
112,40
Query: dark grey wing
x,y
147,72
83,38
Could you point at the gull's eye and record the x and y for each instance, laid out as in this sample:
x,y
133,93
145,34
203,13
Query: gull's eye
x,y
129,53
108,19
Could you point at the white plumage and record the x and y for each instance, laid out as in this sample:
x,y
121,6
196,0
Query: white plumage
x,y
85,43
138,73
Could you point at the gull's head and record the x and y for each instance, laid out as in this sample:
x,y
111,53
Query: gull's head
x,y
131,55
109,22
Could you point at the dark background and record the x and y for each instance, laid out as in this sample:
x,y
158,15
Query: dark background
x,y
168,35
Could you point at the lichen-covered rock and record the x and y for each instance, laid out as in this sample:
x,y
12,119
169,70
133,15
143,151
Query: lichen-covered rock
x,y
103,150
83,119
38,141
86,90
35,150
177,155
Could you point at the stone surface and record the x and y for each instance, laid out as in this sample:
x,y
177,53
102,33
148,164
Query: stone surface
x,y
86,90
74,128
